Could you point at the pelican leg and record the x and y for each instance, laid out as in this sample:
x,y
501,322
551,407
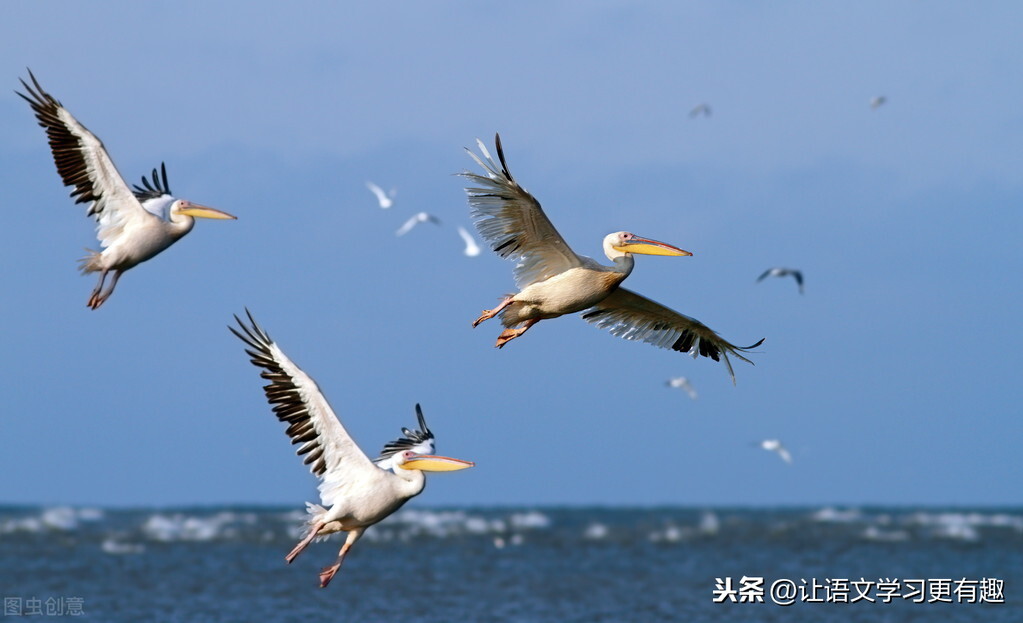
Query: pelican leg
x,y
98,299
303,543
510,334
327,574
490,313
94,297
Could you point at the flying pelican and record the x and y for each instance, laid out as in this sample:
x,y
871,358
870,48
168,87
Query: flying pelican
x,y
358,492
555,281
132,225
471,248
877,102
773,445
681,382
779,271
385,200
421,217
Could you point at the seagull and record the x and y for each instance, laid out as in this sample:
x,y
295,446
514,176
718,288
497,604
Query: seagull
x,y
774,445
385,200
778,271
133,224
682,383
700,109
356,491
877,102
421,217
471,248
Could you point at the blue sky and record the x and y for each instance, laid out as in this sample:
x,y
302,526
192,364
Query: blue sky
x,y
892,380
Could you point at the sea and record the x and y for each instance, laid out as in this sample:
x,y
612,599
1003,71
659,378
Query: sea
x,y
425,565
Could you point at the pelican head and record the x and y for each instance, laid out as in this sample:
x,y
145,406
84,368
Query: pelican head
x,y
430,463
181,206
623,243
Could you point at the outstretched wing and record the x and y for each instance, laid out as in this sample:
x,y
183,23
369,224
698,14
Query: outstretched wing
x,y
331,453
633,317
513,223
83,163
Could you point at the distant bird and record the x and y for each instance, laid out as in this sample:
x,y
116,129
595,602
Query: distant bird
x,y
133,225
681,382
421,217
779,271
358,492
555,281
385,200
877,102
700,109
773,445
471,248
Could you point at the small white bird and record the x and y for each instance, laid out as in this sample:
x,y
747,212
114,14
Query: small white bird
x,y
682,383
877,102
471,248
773,445
385,200
779,271
356,492
421,217
700,109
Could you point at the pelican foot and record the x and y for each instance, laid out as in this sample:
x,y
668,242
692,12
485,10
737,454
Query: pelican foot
x,y
486,315
328,574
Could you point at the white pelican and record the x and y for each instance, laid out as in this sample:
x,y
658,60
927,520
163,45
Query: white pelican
x,y
132,225
385,200
877,102
681,382
779,271
773,445
356,491
471,248
555,281
700,109
421,217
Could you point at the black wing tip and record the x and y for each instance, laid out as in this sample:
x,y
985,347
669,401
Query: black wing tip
x,y
500,156
255,336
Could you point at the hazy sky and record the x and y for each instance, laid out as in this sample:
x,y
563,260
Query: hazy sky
x,y
892,380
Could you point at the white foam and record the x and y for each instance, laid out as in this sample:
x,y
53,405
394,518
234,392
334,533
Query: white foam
x,y
829,514
596,532
118,548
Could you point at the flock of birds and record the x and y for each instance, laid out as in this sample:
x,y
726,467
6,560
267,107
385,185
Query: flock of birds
x,y
136,223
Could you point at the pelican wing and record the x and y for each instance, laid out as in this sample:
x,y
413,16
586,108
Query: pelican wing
x,y
331,452
82,162
633,317
418,441
513,223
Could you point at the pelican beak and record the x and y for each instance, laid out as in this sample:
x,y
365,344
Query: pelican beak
x,y
196,210
431,463
647,246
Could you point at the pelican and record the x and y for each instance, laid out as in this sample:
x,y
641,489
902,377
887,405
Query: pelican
x,y
385,200
773,445
355,491
420,217
133,225
471,248
554,281
681,382
779,271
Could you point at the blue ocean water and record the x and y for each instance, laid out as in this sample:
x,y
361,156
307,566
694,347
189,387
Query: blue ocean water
x,y
518,565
